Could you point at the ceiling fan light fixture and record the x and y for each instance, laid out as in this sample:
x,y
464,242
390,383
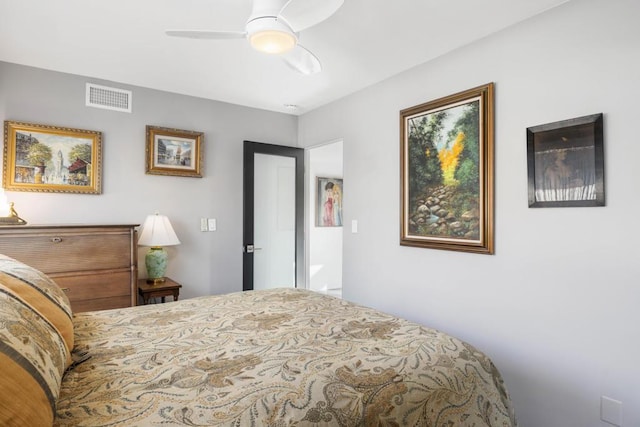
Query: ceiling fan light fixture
x,y
273,28
271,35
272,42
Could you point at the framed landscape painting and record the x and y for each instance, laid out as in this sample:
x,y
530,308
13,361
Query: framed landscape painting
x,y
174,152
51,159
446,150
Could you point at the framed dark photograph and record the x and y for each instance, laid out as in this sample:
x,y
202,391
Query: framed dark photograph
x,y
174,152
51,159
446,150
565,163
328,202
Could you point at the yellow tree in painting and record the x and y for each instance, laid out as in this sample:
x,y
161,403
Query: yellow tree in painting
x,y
449,159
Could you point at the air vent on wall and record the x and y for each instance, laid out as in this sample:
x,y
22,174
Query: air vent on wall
x,y
109,98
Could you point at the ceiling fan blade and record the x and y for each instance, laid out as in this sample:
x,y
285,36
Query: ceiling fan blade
x,y
301,14
205,34
301,60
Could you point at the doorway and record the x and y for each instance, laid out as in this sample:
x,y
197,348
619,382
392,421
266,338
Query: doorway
x,y
273,237
324,243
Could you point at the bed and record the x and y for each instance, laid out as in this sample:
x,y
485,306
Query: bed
x,y
280,357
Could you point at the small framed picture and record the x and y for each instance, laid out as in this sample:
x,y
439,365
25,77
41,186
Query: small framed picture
x,y
328,202
565,163
51,159
174,152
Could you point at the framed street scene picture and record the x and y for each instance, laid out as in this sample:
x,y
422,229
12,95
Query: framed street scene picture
x,y
51,159
174,152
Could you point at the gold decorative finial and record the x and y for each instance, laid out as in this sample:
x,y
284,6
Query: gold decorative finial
x,y
13,218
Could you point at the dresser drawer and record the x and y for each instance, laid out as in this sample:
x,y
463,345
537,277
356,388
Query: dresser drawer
x,y
55,252
104,284
100,304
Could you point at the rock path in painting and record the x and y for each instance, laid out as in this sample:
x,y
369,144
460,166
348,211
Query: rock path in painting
x,y
433,215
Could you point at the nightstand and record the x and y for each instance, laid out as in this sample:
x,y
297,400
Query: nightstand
x,y
162,289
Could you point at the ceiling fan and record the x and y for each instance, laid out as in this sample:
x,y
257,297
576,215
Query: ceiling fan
x,y
273,27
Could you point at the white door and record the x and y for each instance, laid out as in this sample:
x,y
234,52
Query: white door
x,y
274,222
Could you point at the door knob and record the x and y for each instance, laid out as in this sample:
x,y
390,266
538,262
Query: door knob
x,y
249,249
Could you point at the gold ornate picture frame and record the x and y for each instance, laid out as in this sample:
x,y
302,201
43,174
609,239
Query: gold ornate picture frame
x,y
174,152
447,172
51,159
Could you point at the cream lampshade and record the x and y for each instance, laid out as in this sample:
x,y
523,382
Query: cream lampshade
x,y
156,233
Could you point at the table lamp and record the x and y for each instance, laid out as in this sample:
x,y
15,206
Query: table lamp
x,y
156,233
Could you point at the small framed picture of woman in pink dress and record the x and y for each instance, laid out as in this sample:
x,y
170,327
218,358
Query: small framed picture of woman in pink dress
x,y
328,202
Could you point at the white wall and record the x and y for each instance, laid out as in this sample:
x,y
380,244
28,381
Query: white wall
x,y
556,306
206,262
325,243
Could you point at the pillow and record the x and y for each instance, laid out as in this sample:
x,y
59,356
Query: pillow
x,y
36,338
41,293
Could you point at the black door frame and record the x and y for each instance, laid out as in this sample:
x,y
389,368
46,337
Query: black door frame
x,y
250,149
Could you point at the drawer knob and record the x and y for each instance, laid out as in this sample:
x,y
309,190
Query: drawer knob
x,y
56,239
65,289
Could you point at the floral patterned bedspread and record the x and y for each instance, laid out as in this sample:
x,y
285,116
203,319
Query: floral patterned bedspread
x,y
274,358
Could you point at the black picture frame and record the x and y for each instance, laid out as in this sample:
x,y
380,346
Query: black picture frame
x,y
565,163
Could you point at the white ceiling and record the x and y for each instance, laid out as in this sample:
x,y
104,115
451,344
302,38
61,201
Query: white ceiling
x,y
365,42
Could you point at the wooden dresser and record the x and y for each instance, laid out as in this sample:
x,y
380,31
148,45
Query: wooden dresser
x,y
95,264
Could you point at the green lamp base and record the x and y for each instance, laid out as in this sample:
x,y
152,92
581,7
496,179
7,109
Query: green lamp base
x,y
156,263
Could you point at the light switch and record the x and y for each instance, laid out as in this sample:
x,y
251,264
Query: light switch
x,y
212,224
203,224
354,226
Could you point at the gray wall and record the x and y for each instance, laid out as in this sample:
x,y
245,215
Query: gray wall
x,y
556,306
206,262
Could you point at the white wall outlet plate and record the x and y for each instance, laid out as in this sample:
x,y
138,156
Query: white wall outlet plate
x,y
611,411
